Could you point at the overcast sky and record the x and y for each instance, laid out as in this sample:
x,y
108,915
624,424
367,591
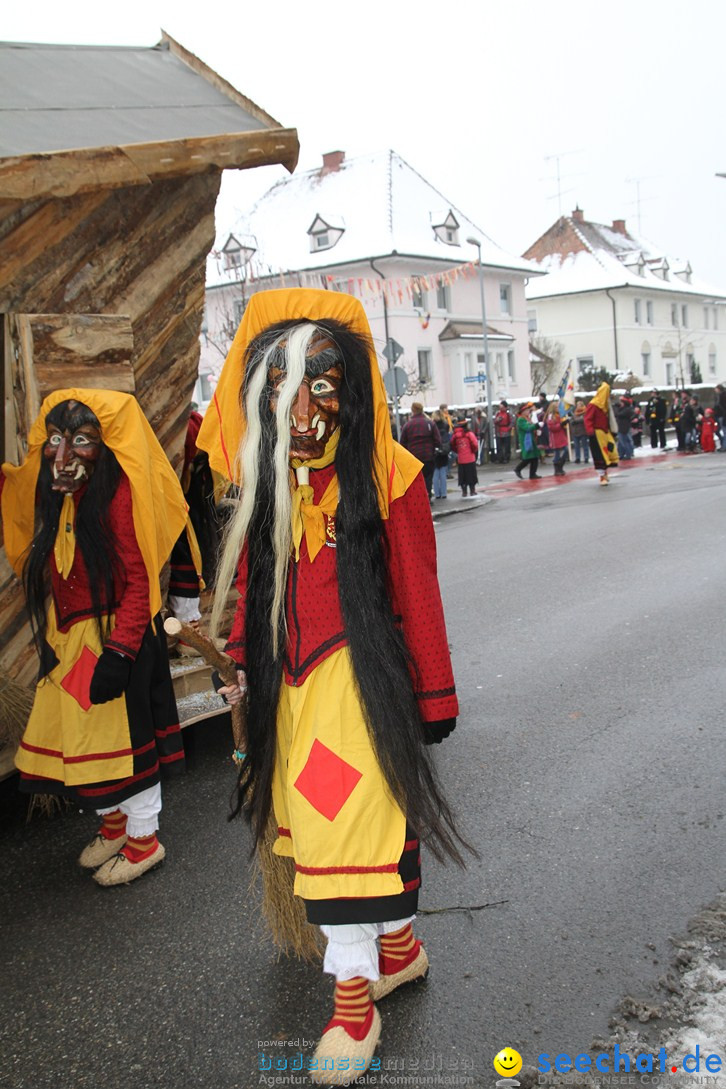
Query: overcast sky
x,y
479,96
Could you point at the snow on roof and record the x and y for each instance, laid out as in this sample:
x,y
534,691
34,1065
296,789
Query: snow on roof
x,y
612,258
381,205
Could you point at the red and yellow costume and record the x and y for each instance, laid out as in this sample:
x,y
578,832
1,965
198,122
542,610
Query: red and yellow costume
x,y
355,858
101,754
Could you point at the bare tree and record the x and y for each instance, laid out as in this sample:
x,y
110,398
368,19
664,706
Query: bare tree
x,y
547,361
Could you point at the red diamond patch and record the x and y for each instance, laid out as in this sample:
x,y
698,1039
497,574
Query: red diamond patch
x,y
326,781
77,681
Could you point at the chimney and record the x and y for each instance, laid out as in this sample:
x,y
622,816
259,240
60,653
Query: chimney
x,y
332,161
619,226
578,215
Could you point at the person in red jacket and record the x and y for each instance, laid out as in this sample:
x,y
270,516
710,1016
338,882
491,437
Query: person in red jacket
x,y
104,722
464,444
558,437
599,425
340,640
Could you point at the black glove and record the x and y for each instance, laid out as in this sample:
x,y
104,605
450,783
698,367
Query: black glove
x,y
110,677
435,732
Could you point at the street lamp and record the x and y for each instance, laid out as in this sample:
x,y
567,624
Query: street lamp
x,y
490,439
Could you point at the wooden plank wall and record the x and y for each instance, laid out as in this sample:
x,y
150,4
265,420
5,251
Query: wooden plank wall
x,y
138,251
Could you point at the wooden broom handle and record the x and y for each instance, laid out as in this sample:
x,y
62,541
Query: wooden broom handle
x,y
219,661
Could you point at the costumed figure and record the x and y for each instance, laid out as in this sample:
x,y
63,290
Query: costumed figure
x,y
89,519
600,424
527,434
339,637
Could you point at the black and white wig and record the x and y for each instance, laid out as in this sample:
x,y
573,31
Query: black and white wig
x,y
380,660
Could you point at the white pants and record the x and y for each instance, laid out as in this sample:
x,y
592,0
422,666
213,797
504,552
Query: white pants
x,y
352,950
142,810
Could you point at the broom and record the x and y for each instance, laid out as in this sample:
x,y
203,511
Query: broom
x,y
283,911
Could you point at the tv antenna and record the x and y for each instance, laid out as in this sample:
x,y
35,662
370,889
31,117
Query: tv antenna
x,y
561,155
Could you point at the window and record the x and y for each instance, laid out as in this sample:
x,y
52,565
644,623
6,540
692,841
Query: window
x,y
203,389
232,259
323,236
674,316
684,316
531,321
586,362
424,365
706,316
500,366
505,298
443,297
649,311
470,367
669,374
636,303
645,364
447,228
238,309
510,367
418,296
712,359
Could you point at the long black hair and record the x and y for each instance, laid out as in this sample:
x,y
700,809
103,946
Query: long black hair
x,y
92,529
381,662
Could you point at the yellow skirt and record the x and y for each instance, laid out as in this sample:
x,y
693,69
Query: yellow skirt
x,y
67,738
334,811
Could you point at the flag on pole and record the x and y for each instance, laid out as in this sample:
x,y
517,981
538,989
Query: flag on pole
x,y
570,393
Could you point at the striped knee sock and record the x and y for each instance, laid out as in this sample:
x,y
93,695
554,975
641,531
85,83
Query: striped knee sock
x,y
137,848
353,1007
398,950
114,825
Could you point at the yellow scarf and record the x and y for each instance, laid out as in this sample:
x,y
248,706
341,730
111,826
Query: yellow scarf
x,y
308,518
64,548
224,423
159,507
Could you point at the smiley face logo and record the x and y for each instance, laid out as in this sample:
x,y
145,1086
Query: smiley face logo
x,y
508,1062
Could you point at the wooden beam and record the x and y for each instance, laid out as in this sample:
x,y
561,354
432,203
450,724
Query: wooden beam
x,y
65,173
217,81
54,351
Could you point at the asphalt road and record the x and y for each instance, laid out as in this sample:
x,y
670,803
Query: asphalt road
x,y
587,630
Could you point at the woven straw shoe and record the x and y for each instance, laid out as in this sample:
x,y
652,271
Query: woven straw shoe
x,y
99,850
341,1059
119,871
417,969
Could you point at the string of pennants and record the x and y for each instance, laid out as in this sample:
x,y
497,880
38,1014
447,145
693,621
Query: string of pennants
x,y
371,288
400,289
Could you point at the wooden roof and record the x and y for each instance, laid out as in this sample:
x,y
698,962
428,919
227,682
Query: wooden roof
x,y
79,118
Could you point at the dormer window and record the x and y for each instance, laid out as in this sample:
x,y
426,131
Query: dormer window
x,y
323,235
634,261
236,254
659,267
685,273
447,229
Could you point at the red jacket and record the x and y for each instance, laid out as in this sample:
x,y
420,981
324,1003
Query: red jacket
x,y
557,433
465,446
72,596
314,617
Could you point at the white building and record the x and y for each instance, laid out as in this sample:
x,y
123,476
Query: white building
x,y
613,300
373,227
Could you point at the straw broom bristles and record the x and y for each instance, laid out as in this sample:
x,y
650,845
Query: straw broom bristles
x,y
16,702
284,912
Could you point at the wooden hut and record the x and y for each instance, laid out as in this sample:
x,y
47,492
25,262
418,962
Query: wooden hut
x,y
110,165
